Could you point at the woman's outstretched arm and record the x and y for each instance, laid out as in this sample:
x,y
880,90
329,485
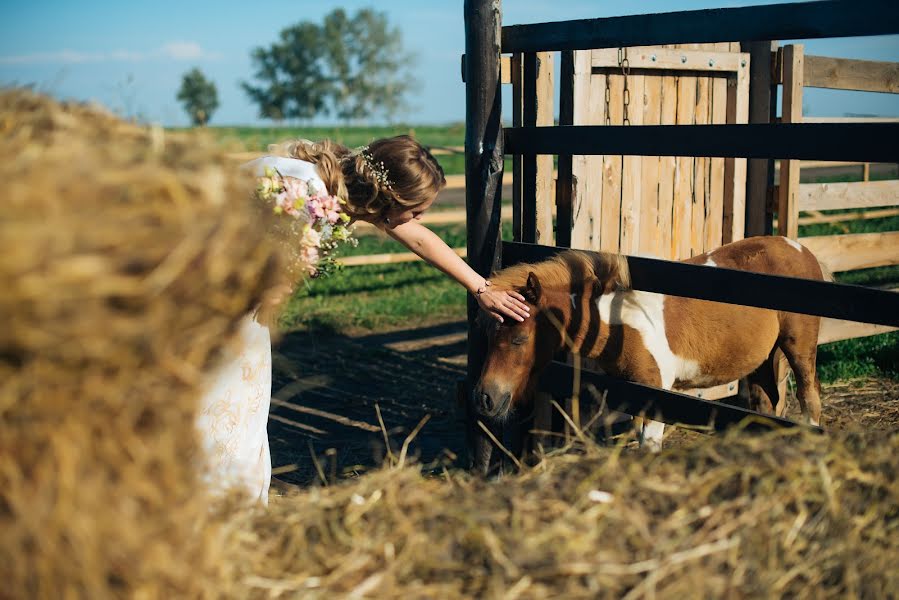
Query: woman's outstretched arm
x,y
428,245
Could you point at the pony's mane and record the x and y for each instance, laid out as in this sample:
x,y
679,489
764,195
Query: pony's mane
x,y
565,268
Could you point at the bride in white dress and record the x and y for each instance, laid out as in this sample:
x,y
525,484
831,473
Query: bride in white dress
x,y
390,184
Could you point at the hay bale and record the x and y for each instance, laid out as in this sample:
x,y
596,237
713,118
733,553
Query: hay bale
x,y
781,515
127,257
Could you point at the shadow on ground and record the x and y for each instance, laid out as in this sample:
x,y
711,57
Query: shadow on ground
x,y
326,387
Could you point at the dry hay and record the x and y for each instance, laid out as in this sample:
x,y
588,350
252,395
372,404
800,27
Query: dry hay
x,y
126,260
785,514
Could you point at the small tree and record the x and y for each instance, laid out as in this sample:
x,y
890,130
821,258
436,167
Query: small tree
x,y
350,67
199,97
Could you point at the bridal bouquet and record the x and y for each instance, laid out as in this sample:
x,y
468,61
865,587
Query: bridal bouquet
x,y
319,219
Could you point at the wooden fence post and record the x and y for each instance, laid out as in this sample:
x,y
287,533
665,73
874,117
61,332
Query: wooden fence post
x,y
483,179
760,172
791,112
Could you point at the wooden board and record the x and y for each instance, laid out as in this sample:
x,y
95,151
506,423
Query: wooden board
x,y
611,175
667,172
855,251
846,74
714,222
700,171
584,205
670,59
856,194
649,186
791,112
631,174
545,177
682,213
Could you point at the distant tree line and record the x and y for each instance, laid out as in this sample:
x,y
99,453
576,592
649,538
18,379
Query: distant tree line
x,y
347,67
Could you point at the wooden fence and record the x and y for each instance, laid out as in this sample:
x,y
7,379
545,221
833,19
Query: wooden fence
x,y
760,140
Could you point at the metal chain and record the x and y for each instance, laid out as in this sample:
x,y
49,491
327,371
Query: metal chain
x,y
608,100
625,65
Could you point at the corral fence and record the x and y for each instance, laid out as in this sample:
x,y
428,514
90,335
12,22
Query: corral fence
x,y
704,154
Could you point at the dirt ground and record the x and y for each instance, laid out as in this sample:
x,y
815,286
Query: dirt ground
x,y
328,390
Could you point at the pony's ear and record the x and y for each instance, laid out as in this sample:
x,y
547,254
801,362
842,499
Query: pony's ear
x,y
532,289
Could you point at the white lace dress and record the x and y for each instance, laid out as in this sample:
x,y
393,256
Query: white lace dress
x,y
234,407
234,414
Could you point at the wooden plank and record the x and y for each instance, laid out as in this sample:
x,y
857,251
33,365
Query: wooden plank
x,y
649,186
791,112
737,227
855,251
802,20
631,175
666,406
387,258
847,74
834,330
700,172
865,142
855,194
825,299
594,163
582,204
713,393
580,199
611,172
760,173
651,57
714,223
682,214
667,171
545,184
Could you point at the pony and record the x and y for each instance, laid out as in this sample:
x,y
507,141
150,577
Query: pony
x,y
583,303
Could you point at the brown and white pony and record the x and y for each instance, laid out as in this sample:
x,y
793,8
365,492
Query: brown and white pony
x,y
583,303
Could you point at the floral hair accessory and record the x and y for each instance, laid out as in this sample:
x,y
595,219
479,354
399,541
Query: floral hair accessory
x,y
382,175
317,217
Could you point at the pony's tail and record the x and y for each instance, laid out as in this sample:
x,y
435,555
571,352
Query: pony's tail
x,y
624,271
612,270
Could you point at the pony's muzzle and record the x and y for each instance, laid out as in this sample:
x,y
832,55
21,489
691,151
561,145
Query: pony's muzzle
x,y
492,402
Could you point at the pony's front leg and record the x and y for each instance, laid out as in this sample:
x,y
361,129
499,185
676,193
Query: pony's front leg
x,y
651,435
649,432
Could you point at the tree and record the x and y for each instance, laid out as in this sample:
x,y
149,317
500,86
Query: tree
x,y
350,67
199,97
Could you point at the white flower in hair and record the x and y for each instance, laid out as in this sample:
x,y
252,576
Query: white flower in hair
x,y
378,169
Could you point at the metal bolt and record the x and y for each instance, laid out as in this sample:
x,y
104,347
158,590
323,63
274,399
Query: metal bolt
x,y
653,57
683,59
743,63
711,62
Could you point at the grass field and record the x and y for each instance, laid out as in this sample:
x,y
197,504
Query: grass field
x,y
375,298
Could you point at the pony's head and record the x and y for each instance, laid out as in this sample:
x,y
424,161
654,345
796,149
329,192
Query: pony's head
x,y
561,292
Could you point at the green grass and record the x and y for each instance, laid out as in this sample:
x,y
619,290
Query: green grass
x,y
877,355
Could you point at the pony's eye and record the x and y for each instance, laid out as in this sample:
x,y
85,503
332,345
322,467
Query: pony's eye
x,y
518,341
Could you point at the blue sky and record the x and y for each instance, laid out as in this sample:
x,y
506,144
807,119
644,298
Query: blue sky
x,y
130,56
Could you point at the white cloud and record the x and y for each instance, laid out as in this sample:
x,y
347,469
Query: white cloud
x,y
176,50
